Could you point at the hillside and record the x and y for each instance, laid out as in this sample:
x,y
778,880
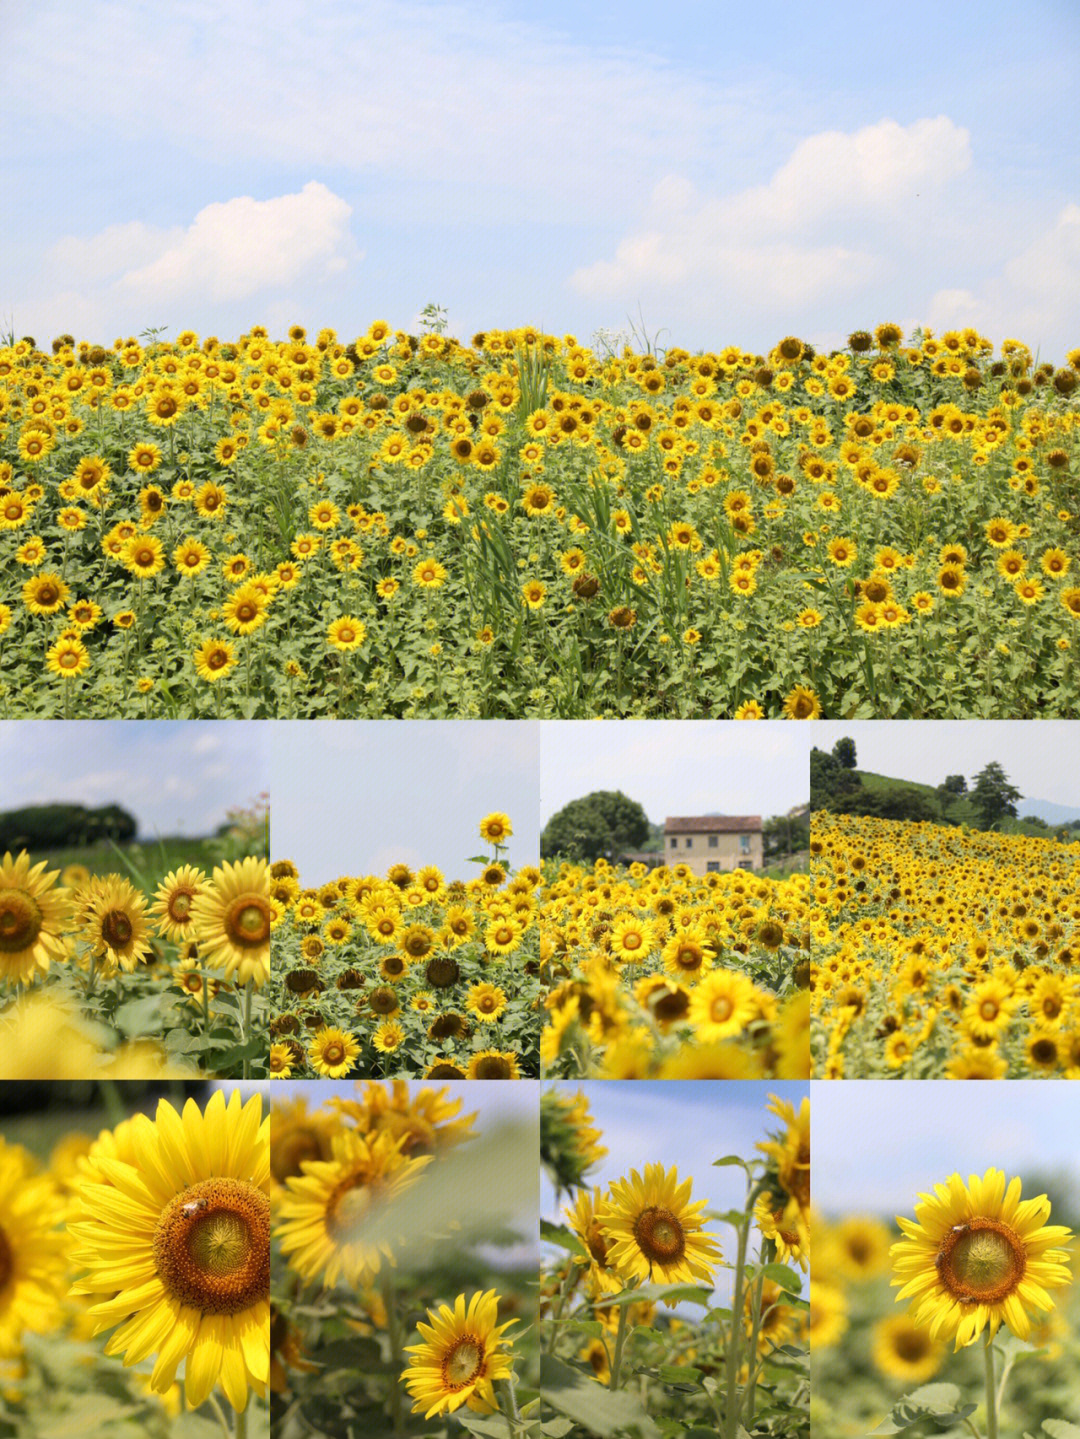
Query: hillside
x,y
952,810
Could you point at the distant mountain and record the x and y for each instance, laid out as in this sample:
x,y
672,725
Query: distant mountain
x,y
1053,814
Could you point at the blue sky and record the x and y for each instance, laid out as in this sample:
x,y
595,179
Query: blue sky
x,y
677,767
683,1123
875,1146
357,798
727,172
1040,760
176,778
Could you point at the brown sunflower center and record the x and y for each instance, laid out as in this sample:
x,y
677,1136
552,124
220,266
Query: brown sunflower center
x,y
348,1207
720,1009
982,1261
20,921
492,1066
333,1053
247,922
631,940
462,1363
212,1246
116,928
179,905
912,1345
659,1235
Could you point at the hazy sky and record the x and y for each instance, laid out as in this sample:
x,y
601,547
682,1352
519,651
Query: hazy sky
x,y
875,1145
1041,758
175,777
678,767
727,172
357,798
685,1123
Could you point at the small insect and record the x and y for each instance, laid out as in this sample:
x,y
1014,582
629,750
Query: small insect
x,y
196,1206
960,1228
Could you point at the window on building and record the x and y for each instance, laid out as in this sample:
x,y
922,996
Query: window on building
x,y
674,841
714,841
689,841
746,864
744,844
712,866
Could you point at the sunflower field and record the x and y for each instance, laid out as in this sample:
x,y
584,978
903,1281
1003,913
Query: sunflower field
x,y
152,971
616,1359
874,1364
527,527
403,1262
408,974
943,952
134,1264
663,974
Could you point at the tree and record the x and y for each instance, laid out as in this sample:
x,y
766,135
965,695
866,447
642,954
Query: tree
x,y
601,824
954,784
829,780
992,796
844,752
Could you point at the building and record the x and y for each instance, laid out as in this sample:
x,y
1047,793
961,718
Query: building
x,y
711,843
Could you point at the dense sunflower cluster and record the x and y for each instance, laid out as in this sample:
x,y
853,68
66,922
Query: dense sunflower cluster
x,y
526,526
941,952
659,973
194,938
408,973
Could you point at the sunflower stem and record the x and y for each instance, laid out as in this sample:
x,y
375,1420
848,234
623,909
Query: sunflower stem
x,y
240,1432
991,1393
393,1322
733,1403
560,1304
620,1340
245,1029
219,1415
92,976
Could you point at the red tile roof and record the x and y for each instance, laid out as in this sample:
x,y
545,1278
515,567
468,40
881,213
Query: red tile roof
x,y
713,824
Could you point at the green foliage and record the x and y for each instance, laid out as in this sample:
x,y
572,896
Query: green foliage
x,y
600,825
56,826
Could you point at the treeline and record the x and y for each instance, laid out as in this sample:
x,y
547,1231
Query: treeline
x,y
989,803
61,826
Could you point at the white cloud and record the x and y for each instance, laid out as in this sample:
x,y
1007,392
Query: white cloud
x,y
784,242
238,247
1035,294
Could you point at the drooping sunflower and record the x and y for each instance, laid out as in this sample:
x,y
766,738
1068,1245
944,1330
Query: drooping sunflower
x,y
34,915
654,1229
333,1216
462,1354
977,1256
176,1245
232,919
32,1263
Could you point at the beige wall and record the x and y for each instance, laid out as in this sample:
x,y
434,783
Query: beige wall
x,y
724,851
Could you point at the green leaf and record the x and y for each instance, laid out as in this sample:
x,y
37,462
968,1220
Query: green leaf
x,y
655,1293
1061,1429
730,1159
579,1397
560,1235
493,1425
938,1402
678,1373
141,1016
785,1278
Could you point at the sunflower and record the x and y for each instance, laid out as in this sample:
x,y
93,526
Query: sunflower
x,y
388,1037
977,1256
32,1263
332,1217
904,1350
722,1005
486,1001
214,659
346,633
460,1358
494,1064
113,923
45,594
801,703
653,1229
496,828
177,1248
333,1053
232,919
173,900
